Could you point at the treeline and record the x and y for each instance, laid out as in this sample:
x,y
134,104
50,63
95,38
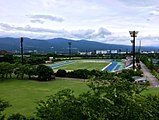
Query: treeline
x,y
148,62
86,74
40,72
109,99
33,60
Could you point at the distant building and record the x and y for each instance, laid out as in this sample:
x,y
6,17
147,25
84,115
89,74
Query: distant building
x,y
85,53
23,55
106,52
102,51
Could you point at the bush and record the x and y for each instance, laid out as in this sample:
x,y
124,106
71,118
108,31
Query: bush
x,y
17,117
61,73
44,73
115,100
81,73
3,106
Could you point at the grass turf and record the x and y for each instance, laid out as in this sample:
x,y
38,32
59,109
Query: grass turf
x,y
23,94
153,91
84,65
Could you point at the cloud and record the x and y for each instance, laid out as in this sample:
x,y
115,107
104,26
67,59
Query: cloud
x,y
102,33
154,12
6,27
41,18
83,34
37,21
28,28
140,3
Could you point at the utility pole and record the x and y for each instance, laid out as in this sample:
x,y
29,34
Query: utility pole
x,y
22,49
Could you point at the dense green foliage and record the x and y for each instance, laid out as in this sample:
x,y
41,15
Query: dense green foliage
x,y
43,72
3,105
17,116
127,74
148,62
106,99
154,67
81,73
85,74
112,100
61,73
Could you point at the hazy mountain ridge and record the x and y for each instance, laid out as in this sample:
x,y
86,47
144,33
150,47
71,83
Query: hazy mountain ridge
x,y
61,45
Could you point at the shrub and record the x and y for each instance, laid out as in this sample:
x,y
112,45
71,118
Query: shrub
x,y
44,73
3,106
61,73
17,116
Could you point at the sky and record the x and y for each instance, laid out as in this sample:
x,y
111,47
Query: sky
x,y
107,21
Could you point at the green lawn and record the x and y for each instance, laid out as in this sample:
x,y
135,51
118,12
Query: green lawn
x,y
153,91
23,94
84,65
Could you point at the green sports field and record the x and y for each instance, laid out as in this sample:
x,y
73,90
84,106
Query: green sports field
x,y
84,65
23,94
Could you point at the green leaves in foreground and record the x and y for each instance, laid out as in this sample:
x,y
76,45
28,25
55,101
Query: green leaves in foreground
x,y
3,105
115,100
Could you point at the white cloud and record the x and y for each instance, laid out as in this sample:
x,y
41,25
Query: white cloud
x,y
75,34
37,21
45,17
101,20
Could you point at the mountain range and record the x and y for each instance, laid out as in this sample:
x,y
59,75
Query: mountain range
x,y
60,45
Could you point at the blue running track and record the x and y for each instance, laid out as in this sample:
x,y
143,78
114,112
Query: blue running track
x,y
62,64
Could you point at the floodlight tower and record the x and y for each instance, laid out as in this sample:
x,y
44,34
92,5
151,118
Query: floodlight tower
x,y
21,49
133,34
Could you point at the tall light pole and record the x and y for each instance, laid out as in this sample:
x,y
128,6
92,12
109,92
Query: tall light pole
x,y
133,34
22,49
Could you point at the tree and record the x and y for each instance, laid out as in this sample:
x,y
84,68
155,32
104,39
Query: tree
x,y
44,73
96,73
30,70
5,69
17,116
3,105
114,99
8,58
80,73
61,73
20,70
62,106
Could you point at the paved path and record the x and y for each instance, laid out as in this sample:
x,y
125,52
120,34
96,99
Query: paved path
x,y
154,82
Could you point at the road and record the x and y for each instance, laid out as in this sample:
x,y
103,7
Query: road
x,y
154,82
